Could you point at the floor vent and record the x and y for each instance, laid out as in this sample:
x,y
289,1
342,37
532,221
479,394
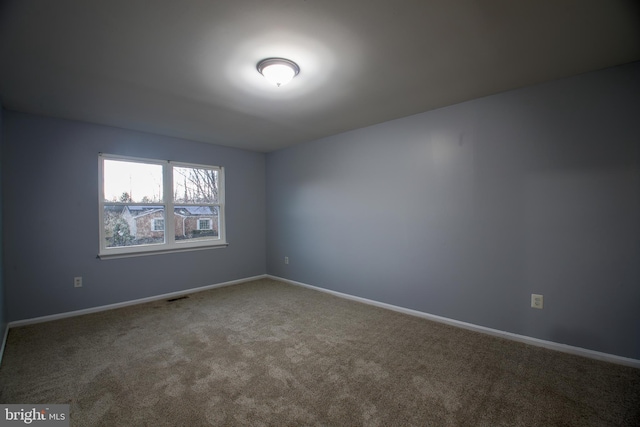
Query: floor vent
x,y
178,298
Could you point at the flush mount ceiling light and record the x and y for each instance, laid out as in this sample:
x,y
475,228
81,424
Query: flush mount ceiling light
x,y
278,71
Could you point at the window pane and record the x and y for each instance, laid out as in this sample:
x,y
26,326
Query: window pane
x,y
195,185
204,224
158,224
132,182
133,225
197,222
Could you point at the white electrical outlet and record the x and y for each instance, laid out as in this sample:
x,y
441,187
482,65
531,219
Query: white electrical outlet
x,y
77,282
286,260
537,301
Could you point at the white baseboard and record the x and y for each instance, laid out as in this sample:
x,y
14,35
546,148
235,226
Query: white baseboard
x,y
592,354
128,303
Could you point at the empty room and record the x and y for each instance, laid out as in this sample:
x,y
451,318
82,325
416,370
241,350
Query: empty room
x,y
297,212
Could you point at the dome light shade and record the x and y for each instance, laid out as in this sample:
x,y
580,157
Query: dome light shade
x,y
278,71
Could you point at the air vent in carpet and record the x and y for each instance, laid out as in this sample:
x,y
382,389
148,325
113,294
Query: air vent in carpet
x,y
178,298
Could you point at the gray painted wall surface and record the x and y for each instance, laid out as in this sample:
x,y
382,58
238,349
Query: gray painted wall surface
x,y
3,313
465,211
51,218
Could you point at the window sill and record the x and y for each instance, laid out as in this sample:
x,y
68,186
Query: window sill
x,y
159,251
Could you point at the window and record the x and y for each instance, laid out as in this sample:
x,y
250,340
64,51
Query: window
x,y
149,206
204,224
158,224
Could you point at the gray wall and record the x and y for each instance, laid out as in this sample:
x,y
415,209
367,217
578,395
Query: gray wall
x,y
49,170
3,313
465,211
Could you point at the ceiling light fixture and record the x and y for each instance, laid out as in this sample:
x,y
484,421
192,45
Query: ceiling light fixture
x,y
278,71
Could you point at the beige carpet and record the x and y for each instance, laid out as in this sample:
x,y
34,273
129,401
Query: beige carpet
x,y
268,353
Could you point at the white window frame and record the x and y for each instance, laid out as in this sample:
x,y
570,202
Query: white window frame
x,y
170,244
210,223
154,224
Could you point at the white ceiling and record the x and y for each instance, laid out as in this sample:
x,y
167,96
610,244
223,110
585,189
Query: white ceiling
x,y
188,68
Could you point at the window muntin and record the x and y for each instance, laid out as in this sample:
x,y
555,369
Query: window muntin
x,y
153,205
